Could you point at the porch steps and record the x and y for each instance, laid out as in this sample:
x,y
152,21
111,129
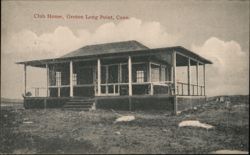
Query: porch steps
x,y
81,104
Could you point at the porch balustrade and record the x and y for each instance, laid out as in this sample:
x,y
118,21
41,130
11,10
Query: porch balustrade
x,y
118,88
196,90
115,88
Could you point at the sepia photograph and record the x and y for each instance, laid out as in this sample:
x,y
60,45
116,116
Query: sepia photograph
x,y
124,77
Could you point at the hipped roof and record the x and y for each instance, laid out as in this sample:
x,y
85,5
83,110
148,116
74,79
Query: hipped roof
x,y
114,49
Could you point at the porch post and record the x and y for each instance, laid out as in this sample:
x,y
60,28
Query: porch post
x,y
150,79
189,78
197,77
98,77
174,81
71,78
149,71
120,73
47,80
107,78
129,76
204,75
25,79
174,71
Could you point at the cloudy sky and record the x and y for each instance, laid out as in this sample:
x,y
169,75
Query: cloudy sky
x,y
217,30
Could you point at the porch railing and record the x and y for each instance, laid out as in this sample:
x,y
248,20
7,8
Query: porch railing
x,y
195,90
116,87
181,88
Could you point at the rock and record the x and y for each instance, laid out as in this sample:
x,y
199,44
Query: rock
x,y
194,123
178,112
165,130
28,122
125,119
229,152
118,132
25,119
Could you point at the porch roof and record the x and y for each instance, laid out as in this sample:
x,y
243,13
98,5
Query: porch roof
x,y
91,52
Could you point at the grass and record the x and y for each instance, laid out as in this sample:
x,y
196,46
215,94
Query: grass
x,y
65,131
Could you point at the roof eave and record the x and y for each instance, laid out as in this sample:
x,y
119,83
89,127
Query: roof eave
x,y
45,61
205,61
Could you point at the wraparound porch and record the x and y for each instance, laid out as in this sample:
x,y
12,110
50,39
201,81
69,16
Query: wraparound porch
x,y
137,75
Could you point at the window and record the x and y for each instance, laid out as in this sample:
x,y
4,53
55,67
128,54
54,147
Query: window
x,y
58,78
139,72
139,76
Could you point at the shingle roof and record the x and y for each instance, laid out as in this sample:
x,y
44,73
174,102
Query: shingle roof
x,y
114,49
107,48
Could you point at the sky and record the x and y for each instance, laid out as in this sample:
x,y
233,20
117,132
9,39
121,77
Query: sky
x,y
217,30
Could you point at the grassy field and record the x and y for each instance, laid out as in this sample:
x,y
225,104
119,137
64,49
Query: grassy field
x,y
65,131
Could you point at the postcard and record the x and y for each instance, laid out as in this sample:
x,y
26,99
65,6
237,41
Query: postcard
x,y
124,77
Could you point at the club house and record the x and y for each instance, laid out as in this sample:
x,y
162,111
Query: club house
x,y
120,75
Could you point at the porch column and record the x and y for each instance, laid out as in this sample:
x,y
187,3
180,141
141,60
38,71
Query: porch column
x,y
129,76
71,78
149,71
189,77
98,77
197,77
150,79
120,73
47,80
25,79
174,71
204,80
